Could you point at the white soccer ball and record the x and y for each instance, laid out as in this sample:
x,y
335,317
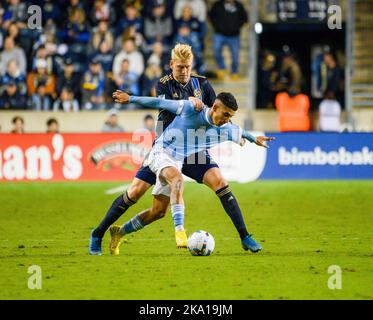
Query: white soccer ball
x,y
201,243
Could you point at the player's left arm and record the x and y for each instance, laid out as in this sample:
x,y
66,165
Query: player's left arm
x,y
238,135
259,140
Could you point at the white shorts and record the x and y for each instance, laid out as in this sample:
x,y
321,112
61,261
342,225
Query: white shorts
x,y
157,160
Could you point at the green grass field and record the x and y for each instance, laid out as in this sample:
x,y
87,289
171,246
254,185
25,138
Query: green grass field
x,y
304,228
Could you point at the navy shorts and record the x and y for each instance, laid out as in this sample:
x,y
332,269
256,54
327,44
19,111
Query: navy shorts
x,y
191,168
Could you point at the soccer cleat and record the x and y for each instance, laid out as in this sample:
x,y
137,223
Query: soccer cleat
x,y
95,246
181,239
116,239
249,243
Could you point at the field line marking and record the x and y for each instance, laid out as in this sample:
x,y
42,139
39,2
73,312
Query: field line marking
x,y
117,189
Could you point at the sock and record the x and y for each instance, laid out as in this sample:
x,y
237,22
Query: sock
x,y
178,216
231,207
119,206
135,224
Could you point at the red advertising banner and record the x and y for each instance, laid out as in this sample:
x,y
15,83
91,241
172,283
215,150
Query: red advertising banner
x,y
72,157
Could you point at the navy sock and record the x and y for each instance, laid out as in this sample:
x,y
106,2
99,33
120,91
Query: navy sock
x,y
231,207
119,206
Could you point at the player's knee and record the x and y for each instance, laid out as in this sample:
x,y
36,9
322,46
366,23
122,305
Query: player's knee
x,y
177,184
220,183
137,190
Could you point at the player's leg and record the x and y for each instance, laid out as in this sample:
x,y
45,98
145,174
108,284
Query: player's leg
x,y
202,168
218,43
138,222
140,184
215,181
234,46
175,180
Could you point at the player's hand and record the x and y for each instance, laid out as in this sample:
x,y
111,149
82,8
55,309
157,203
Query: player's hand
x,y
260,141
121,97
242,142
197,103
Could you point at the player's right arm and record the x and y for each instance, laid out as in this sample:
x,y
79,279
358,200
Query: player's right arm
x,y
174,106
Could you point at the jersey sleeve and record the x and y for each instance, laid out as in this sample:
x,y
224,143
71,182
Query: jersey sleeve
x,y
163,91
174,106
209,95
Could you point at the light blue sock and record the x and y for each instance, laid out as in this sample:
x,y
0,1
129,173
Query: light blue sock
x,y
178,216
135,224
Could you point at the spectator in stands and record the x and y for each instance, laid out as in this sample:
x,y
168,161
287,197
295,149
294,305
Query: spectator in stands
x,y
52,126
43,54
331,81
76,36
40,99
158,26
290,77
41,77
16,11
186,36
50,10
13,73
93,87
11,52
130,32
15,22
329,113
101,34
227,18
196,26
105,56
66,102
267,77
111,124
126,80
149,123
135,58
102,11
152,74
14,32
131,18
198,8
69,78
11,98
159,57
18,125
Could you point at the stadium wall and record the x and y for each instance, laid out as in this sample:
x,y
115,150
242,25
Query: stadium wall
x,y
92,121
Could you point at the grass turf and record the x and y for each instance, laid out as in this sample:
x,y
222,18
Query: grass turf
x,y
304,228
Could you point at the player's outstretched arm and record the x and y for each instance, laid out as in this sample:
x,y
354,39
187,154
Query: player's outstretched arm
x,y
259,140
174,106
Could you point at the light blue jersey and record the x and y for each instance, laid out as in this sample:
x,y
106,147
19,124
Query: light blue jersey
x,y
190,131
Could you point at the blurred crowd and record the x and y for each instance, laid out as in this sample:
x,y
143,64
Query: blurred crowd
x,y
111,124
86,49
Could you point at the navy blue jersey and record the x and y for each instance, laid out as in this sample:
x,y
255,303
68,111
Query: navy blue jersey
x,y
168,88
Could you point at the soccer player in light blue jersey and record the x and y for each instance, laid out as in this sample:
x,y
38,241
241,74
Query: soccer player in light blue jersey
x,y
190,132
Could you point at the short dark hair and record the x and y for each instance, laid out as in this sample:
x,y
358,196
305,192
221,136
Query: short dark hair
x,y
148,117
51,121
14,120
228,100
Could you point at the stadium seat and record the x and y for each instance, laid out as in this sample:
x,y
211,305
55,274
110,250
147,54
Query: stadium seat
x,y
293,112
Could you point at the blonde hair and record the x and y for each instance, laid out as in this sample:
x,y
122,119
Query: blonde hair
x,y
182,52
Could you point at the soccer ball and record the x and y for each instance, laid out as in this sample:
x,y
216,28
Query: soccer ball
x,y
201,243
